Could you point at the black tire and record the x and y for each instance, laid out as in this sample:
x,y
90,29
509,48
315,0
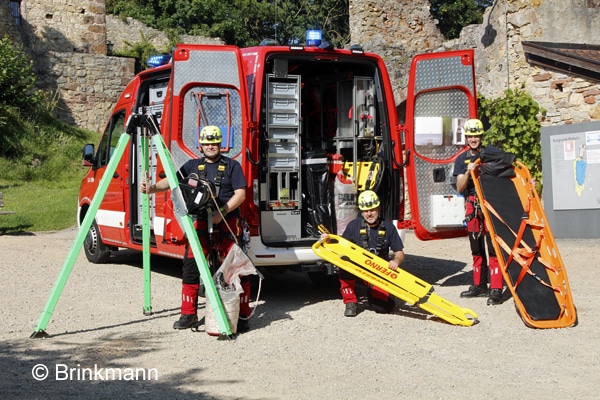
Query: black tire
x,y
95,251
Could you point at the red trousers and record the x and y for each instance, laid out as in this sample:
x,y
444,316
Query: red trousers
x,y
221,241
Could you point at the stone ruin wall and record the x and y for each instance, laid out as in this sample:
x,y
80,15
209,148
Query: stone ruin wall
x,y
64,26
67,40
384,27
121,32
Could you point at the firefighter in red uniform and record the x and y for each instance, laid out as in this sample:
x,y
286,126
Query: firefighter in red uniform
x,y
230,183
478,237
372,233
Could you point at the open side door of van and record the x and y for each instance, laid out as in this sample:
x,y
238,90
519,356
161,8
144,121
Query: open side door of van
x,y
441,97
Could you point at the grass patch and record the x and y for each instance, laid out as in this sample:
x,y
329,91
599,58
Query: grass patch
x,y
39,207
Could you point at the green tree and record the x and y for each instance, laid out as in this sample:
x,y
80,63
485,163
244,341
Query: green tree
x,y
453,15
242,22
19,100
17,80
514,126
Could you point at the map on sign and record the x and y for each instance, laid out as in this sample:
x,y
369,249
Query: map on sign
x,y
576,170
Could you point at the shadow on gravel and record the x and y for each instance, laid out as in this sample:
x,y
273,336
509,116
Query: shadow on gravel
x,y
161,265
281,293
110,367
437,271
169,313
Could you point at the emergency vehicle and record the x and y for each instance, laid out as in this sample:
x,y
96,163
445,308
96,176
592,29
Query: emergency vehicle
x,y
311,127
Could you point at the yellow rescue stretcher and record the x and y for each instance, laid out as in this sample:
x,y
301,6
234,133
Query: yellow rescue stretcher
x,y
402,284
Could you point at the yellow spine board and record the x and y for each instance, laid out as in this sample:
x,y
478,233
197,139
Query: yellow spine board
x,y
400,283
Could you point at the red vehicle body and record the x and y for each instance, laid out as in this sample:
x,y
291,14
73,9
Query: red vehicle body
x,y
293,117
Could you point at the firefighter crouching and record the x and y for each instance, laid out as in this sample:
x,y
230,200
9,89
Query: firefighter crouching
x,y
230,184
373,233
486,268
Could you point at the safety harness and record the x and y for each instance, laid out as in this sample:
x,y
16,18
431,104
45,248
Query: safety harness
x,y
477,214
364,237
217,180
220,173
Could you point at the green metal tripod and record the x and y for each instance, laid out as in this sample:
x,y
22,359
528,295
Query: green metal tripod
x,y
149,124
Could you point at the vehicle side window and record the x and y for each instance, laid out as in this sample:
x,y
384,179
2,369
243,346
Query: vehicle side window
x,y
110,138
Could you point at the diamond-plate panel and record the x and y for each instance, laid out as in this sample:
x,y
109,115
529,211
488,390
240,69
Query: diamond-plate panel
x,y
443,72
426,187
447,103
207,66
215,111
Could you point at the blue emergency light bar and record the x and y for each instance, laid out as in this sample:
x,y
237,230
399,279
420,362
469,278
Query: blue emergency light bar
x,y
158,60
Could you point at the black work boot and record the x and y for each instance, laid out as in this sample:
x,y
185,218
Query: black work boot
x,y
495,297
475,291
350,310
243,324
186,321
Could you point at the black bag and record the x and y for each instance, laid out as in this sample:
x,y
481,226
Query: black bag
x,y
196,193
498,164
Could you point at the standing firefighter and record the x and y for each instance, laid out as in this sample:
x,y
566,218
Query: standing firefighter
x,y
478,237
227,176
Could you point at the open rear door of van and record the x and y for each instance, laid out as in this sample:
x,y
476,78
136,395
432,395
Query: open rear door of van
x,y
208,88
441,97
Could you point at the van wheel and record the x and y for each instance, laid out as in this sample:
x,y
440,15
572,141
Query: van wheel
x,y
95,251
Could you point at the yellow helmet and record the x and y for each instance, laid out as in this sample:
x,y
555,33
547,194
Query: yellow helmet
x,y
368,200
210,134
473,127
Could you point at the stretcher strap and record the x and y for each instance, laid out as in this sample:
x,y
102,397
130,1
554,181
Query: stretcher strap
x,y
523,255
525,265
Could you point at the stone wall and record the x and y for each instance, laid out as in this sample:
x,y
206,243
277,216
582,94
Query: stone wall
x,y
67,42
57,30
383,26
65,25
397,31
501,62
7,24
120,32
88,85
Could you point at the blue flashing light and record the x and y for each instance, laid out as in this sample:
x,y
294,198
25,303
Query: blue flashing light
x,y
314,37
269,42
158,60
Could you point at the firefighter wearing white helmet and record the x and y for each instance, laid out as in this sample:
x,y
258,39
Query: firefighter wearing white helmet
x,y
230,184
371,232
486,268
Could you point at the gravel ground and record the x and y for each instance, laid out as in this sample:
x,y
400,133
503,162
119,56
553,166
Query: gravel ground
x,y
299,347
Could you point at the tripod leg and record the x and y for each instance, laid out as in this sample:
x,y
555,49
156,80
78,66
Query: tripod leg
x,y
146,228
84,227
